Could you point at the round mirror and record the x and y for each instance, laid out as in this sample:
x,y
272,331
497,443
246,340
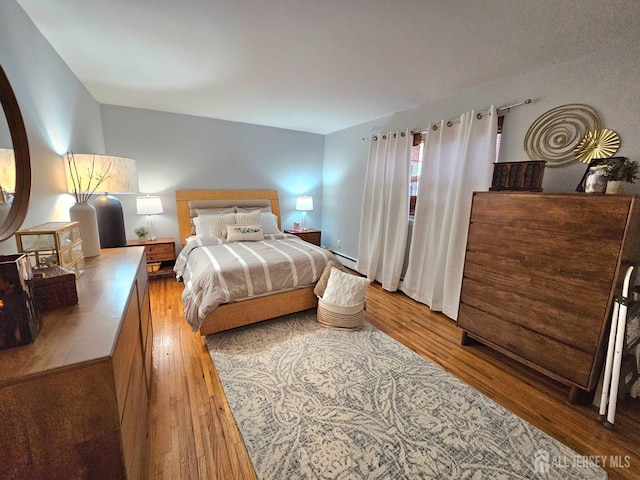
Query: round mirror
x,y
15,164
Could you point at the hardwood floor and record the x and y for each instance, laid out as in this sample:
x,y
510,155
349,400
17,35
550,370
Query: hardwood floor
x,y
193,434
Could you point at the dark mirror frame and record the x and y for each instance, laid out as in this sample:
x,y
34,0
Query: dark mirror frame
x,y
20,205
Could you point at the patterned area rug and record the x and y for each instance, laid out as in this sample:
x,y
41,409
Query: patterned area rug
x,y
317,403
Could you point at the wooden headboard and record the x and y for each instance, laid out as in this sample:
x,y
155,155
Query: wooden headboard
x,y
227,197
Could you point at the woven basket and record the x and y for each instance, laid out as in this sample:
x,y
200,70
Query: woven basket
x,y
153,267
54,287
336,316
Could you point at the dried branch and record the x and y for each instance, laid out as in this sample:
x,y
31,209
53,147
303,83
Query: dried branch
x,y
83,196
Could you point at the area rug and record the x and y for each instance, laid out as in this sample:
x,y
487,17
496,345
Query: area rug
x,y
318,403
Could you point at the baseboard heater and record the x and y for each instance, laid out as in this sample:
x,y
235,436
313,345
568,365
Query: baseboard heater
x,y
346,261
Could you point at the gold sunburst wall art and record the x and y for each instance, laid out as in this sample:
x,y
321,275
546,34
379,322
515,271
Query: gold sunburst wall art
x,y
602,143
555,134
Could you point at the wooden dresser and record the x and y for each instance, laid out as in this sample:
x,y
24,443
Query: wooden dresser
x,y
540,274
73,404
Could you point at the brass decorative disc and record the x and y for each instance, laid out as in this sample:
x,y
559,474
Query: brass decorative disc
x,y
602,143
554,135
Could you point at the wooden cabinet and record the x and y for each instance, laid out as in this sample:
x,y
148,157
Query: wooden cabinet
x,y
73,404
310,235
540,275
161,255
53,243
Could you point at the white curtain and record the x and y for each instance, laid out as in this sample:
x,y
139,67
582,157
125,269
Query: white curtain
x,y
385,209
457,161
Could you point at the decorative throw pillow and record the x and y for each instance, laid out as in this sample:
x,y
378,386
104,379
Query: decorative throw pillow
x,y
242,233
321,286
345,289
251,218
211,225
269,223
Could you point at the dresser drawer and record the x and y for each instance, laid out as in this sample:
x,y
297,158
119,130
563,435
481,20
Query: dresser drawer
x,y
160,252
135,417
159,257
128,341
584,216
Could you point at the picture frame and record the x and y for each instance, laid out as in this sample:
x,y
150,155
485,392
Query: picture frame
x,y
597,162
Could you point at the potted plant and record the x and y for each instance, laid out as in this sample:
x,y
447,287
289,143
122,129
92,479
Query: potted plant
x,y
620,172
142,233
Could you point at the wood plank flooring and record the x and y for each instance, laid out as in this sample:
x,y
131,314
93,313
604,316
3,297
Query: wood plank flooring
x,y
193,434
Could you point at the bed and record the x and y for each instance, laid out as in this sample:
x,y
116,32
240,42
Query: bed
x,y
212,299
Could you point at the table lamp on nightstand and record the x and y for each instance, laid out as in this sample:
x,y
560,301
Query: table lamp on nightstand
x,y
149,205
304,203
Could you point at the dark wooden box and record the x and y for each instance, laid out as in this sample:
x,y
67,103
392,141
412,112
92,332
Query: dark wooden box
x,y
20,322
54,287
522,176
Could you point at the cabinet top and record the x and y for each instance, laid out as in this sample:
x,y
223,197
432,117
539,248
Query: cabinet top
x,y
299,230
84,332
49,227
138,243
523,193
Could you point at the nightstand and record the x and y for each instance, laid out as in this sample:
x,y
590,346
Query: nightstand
x,y
161,255
309,235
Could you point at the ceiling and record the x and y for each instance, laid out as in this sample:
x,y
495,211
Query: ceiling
x,y
315,65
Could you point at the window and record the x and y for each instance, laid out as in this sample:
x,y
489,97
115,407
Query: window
x,y
499,136
416,167
416,163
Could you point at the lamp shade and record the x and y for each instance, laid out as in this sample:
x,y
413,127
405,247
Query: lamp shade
x,y
7,170
120,172
304,203
149,205
89,173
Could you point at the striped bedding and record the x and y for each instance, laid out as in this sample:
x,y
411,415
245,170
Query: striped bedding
x,y
216,271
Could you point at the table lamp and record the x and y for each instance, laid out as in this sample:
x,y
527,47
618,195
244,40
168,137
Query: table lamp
x,y
149,205
304,203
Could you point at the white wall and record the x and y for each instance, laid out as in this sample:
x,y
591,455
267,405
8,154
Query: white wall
x,y
607,81
175,151
58,112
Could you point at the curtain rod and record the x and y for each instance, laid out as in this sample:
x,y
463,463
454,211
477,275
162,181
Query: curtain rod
x,y
478,116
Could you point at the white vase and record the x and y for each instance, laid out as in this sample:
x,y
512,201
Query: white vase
x,y
84,213
616,187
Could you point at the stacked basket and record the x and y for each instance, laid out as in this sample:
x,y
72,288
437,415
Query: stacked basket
x,y
340,295
337,316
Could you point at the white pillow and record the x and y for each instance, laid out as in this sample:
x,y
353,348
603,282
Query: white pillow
x,y
241,233
250,218
269,223
345,289
211,225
